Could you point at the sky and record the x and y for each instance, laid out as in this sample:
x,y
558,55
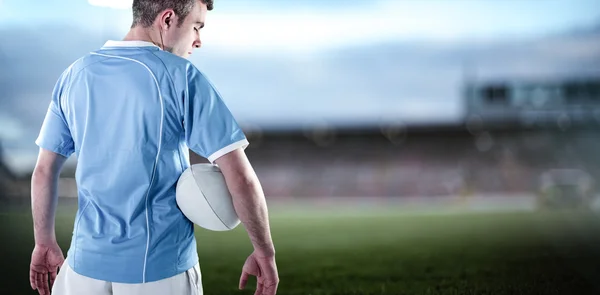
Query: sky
x,y
316,25
294,64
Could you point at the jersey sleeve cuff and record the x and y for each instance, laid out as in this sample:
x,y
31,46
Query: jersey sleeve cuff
x,y
61,149
238,144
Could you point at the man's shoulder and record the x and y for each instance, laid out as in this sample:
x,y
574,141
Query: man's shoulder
x,y
73,68
172,62
81,63
179,68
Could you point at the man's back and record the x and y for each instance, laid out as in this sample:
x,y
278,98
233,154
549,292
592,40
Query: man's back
x,y
130,111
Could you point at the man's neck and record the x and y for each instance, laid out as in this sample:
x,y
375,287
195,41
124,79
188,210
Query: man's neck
x,y
140,34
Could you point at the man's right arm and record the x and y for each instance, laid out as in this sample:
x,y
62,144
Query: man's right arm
x,y
224,145
248,200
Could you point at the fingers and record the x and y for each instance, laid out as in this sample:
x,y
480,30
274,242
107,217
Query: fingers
x,y
39,283
33,279
52,278
45,289
269,276
250,268
54,272
265,271
259,289
243,280
270,289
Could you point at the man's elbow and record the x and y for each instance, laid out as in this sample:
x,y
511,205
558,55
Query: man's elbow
x,y
43,174
243,183
48,166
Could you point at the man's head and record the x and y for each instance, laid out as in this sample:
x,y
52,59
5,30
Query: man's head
x,y
173,24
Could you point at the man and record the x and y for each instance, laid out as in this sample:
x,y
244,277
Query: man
x,y
130,111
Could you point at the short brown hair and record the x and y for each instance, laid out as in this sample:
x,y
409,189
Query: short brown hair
x,y
145,11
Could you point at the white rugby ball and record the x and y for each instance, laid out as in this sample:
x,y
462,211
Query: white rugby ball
x,y
203,197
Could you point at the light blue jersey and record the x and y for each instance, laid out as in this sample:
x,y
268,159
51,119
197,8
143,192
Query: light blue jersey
x,y
130,111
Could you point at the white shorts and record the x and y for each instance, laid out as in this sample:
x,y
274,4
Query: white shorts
x,y
68,282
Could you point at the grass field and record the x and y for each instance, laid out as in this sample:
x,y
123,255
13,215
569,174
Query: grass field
x,y
380,253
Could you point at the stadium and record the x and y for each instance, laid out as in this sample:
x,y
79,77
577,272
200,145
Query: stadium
x,y
502,197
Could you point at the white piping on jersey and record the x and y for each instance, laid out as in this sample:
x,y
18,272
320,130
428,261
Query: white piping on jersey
x,y
162,110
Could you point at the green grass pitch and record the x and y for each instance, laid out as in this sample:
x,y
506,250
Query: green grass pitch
x,y
383,252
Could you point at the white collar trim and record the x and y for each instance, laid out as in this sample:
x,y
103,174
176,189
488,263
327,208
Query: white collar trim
x,y
112,43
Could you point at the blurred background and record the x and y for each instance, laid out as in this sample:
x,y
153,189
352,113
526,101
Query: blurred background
x,y
386,99
404,104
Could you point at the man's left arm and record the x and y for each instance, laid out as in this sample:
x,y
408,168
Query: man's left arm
x,y
47,256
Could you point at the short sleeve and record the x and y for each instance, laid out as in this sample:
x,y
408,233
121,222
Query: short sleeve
x,y
54,134
211,131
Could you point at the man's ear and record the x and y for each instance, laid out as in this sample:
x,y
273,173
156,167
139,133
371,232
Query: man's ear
x,y
168,21
167,18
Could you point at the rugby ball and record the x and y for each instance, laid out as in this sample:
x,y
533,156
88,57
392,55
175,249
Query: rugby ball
x,y
203,197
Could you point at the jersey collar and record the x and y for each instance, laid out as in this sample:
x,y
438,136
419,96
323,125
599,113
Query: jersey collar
x,y
113,43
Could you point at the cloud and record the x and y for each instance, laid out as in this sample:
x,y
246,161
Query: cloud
x,y
415,82
569,48
316,28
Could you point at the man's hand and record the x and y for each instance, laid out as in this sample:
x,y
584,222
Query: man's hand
x,y
45,261
265,271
